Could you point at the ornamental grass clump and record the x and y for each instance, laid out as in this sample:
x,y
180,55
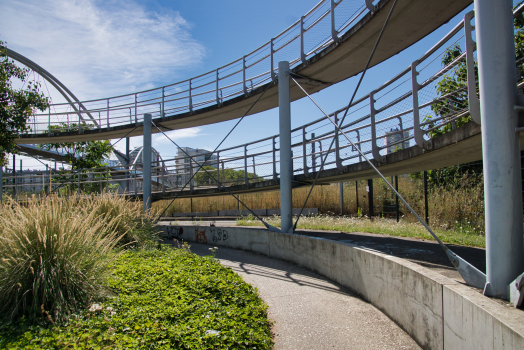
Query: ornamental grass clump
x,y
135,226
53,258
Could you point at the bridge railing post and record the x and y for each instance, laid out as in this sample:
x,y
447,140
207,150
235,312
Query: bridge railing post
x,y
218,170
246,178
274,158
136,108
108,113
338,162
302,49
417,132
190,98
374,147
334,33
272,52
304,151
313,150
216,88
244,87
163,113
473,100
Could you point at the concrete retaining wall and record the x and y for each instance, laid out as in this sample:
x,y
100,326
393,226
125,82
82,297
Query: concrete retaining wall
x,y
436,311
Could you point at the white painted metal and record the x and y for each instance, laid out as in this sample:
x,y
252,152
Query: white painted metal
x,y
500,145
286,162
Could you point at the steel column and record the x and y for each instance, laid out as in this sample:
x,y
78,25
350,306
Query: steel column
x,y
286,163
146,163
500,145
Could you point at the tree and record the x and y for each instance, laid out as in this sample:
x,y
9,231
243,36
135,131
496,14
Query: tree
x,y
16,105
456,80
82,156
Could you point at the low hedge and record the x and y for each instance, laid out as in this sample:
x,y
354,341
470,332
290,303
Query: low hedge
x,y
164,299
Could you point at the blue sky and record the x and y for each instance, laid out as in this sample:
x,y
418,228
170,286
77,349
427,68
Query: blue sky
x,y
104,48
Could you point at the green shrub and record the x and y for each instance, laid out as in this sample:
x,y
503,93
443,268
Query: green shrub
x,y
53,258
166,299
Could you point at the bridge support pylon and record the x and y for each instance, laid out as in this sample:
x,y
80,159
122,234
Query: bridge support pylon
x,y
500,145
286,163
146,163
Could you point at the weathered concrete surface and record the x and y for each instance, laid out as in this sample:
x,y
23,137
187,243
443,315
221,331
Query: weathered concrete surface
x,y
438,312
411,21
309,311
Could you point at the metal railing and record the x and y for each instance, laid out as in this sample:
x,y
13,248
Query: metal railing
x,y
402,112
317,29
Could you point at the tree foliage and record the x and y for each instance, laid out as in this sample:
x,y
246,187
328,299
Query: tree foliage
x,y
228,176
16,105
455,80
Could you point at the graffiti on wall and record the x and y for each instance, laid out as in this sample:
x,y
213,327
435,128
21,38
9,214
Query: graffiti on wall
x,y
200,235
218,234
174,232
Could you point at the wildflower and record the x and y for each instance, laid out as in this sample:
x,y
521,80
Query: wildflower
x,y
95,307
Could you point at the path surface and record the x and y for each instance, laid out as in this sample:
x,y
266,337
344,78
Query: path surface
x,y
309,311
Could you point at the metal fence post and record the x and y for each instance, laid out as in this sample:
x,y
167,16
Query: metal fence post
x,y
426,208
313,151
274,159
396,199
136,108
216,88
163,102
341,198
370,199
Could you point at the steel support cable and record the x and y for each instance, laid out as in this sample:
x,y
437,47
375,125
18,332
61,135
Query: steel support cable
x,y
471,274
346,111
201,167
216,148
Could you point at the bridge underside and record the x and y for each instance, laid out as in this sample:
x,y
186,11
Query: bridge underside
x,y
459,146
412,20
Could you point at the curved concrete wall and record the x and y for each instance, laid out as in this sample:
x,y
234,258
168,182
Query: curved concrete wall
x,y
439,313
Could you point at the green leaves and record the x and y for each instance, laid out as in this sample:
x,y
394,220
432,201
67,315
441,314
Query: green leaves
x,y
16,106
165,299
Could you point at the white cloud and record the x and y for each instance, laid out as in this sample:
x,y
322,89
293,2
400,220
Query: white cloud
x,y
100,48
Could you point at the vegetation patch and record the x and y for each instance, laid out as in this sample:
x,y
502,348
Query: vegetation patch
x,y
462,235
163,299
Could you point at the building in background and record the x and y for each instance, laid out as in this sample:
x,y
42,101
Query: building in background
x,y
183,167
393,138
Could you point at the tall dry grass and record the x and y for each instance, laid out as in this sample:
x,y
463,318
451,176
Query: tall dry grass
x,y
53,258
460,204
55,252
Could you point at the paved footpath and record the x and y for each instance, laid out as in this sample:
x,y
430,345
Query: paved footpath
x,y
309,311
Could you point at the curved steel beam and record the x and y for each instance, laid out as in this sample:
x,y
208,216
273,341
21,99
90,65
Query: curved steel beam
x,y
64,91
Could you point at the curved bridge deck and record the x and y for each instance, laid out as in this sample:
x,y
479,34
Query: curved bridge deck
x,y
220,95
